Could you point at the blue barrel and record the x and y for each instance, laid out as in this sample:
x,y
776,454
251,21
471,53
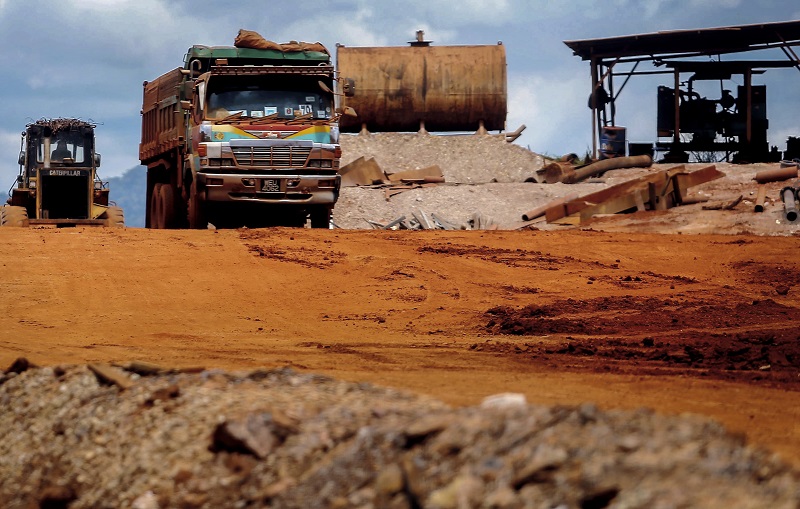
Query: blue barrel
x,y
612,142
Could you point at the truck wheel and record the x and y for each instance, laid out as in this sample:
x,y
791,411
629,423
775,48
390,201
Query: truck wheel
x,y
11,215
321,217
115,217
167,206
155,208
197,217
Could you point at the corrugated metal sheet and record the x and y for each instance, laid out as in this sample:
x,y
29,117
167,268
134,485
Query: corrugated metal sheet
x,y
711,41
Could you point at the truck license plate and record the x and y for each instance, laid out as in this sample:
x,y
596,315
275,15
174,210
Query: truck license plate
x,y
271,186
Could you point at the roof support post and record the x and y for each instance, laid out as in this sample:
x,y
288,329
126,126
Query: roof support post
x,y
676,133
748,85
593,104
611,105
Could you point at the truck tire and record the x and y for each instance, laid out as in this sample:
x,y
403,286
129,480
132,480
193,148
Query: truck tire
x,y
321,217
167,206
155,208
115,217
195,213
11,215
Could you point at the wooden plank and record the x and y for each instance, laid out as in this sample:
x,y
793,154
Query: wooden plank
x,y
606,197
568,220
431,171
419,215
361,172
664,187
684,181
639,200
615,205
447,225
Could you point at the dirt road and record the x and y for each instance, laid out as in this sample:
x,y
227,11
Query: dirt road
x,y
678,323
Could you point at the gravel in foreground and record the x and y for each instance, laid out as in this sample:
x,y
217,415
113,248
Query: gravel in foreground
x,y
76,437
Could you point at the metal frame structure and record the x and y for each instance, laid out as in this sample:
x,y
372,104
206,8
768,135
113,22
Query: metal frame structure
x,y
662,49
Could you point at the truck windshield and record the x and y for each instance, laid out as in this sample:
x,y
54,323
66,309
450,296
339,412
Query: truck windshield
x,y
65,148
267,95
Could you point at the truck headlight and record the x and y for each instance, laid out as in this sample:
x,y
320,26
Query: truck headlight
x,y
320,163
220,162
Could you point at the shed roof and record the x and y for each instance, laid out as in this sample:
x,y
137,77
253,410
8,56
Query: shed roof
x,y
705,41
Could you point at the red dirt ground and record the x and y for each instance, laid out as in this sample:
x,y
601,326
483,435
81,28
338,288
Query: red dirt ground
x,y
679,323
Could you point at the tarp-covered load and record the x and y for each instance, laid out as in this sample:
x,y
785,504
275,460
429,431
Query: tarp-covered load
x,y
254,40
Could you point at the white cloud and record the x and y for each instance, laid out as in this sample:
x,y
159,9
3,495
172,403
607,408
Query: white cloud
x,y
9,146
350,29
716,4
554,110
470,11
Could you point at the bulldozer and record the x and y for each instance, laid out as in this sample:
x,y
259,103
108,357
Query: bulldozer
x,y
58,184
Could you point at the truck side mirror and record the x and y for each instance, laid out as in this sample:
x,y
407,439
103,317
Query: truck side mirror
x,y
97,160
349,87
21,158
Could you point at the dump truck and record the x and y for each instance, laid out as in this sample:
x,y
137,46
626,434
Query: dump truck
x,y
58,183
243,135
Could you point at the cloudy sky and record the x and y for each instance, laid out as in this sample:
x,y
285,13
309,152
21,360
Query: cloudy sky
x,y
88,58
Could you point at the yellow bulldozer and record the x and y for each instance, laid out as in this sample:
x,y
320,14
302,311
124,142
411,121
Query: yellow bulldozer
x,y
58,183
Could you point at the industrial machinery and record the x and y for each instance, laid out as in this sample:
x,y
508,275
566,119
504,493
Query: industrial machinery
x,y
421,87
729,124
242,136
58,182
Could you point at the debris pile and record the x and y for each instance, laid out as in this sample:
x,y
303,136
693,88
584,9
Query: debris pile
x,y
143,437
506,183
420,220
655,191
390,175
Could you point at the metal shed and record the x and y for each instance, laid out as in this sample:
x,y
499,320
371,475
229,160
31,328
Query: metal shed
x,y
663,50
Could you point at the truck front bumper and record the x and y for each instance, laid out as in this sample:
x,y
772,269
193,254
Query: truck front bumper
x,y
272,189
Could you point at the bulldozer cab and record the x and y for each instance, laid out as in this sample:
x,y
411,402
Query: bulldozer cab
x,y
68,149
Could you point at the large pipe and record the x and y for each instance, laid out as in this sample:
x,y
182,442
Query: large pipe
x,y
513,135
761,197
560,173
776,175
556,172
789,197
540,211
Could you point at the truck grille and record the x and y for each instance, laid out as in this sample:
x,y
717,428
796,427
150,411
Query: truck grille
x,y
274,157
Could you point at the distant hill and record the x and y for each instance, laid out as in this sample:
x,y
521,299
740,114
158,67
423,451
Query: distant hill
x,y
128,191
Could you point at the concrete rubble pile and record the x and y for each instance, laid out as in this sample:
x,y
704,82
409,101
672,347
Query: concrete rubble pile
x,y
144,437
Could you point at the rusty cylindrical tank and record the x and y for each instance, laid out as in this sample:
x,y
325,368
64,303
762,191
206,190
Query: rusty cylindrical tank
x,y
449,88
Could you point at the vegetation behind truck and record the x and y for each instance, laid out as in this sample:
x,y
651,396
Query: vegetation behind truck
x,y
58,182
242,136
